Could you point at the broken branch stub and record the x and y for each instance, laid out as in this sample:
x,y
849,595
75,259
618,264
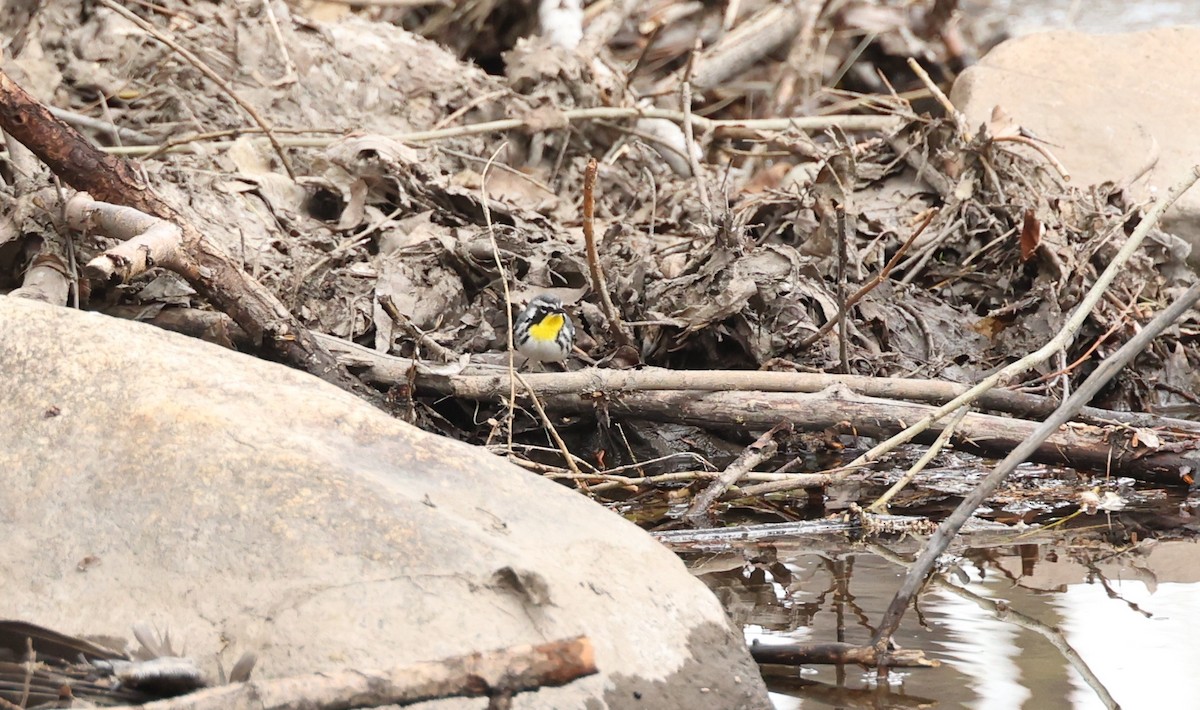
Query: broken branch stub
x,y
505,671
147,241
202,262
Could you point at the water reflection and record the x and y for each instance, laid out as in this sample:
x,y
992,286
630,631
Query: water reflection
x,y
1132,615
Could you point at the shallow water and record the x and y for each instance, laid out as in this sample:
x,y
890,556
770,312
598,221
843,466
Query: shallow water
x,y
1131,613
1129,610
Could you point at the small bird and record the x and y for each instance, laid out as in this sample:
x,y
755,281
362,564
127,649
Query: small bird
x,y
543,332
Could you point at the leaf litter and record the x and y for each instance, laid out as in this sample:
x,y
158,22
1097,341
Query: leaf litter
x,y
378,209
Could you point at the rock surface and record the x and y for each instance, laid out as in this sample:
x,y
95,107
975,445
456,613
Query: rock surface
x,y
241,505
1107,105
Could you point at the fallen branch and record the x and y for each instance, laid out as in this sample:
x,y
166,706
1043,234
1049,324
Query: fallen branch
x,y
482,383
739,50
1108,369
800,654
49,275
722,399
1083,446
840,527
761,450
514,670
147,241
206,266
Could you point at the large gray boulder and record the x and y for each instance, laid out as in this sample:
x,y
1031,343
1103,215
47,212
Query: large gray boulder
x,y
1118,107
242,505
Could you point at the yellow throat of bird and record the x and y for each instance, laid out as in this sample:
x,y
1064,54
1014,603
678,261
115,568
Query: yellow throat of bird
x,y
548,328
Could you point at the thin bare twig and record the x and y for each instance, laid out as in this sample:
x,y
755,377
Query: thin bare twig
x,y
558,440
870,285
762,449
487,216
880,504
685,103
800,123
843,303
512,372
955,115
126,135
1062,169
289,69
207,71
439,351
615,327
1107,370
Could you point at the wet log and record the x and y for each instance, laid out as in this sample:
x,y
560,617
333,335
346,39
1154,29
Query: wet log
x,y
800,654
1110,449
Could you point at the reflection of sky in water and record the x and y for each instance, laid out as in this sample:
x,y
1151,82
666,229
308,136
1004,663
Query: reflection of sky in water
x,y
1140,643
1144,662
1024,16
981,648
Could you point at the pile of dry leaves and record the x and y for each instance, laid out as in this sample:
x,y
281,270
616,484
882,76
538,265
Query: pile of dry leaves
x,y
411,143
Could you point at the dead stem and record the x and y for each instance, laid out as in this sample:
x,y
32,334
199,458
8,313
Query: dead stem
x,y
615,327
801,123
485,201
955,115
1050,157
870,285
685,102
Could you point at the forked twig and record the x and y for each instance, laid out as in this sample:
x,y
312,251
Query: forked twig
x,y
441,352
